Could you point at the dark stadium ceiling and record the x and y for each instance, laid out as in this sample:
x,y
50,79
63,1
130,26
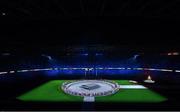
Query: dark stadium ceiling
x,y
115,22
75,8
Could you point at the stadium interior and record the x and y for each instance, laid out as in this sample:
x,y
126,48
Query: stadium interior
x,y
68,40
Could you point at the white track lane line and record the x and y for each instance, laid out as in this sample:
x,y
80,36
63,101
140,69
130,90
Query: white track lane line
x,y
89,99
132,87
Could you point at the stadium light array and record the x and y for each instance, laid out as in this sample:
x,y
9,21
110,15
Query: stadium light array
x,y
11,71
177,70
172,53
3,73
138,68
165,70
89,69
23,70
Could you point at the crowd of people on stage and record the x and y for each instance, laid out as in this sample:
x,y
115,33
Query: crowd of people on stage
x,y
115,87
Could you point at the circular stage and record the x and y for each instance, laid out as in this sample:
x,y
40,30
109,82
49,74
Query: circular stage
x,y
90,88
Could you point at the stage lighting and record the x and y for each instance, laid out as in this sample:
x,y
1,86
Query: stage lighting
x,y
138,68
149,80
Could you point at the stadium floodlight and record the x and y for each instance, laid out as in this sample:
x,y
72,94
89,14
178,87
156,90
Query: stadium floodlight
x,y
76,68
11,71
23,70
177,70
165,70
109,68
3,73
169,54
151,69
118,68
100,68
35,70
138,68
175,53
47,69
82,68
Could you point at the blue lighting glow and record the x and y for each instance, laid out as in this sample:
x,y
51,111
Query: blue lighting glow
x,y
98,54
48,57
135,57
52,72
90,70
85,54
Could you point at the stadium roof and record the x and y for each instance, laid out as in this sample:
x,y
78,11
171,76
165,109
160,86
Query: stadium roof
x,y
76,8
146,23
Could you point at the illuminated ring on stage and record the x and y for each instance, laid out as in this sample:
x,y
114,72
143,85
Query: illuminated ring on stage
x,y
90,88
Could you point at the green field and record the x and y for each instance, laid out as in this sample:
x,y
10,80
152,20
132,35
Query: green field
x,y
50,92
133,95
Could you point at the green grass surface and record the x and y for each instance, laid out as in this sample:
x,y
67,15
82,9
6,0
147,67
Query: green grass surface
x,y
50,92
133,95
